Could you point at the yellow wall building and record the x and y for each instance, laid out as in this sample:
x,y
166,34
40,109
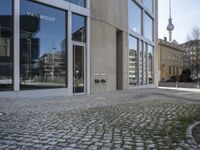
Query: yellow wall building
x,y
170,59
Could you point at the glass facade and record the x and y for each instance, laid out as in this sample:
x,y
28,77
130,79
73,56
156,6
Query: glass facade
x,y
78,2
148,27
42,46
134,17
78,28
6,49
148,4
150,64
133,59
141,69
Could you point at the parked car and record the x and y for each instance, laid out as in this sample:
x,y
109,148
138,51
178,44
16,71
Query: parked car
x,y
173,78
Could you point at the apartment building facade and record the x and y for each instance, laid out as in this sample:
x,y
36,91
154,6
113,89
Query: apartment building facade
x,y
171,58
66,47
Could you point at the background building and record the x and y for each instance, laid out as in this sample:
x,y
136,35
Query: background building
x,y
171,59
192,57
66,47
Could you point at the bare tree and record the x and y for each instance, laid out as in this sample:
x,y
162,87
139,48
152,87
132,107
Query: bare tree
x,y
196,33
194,50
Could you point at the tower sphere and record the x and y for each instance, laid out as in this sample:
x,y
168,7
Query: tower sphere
x,y
170,26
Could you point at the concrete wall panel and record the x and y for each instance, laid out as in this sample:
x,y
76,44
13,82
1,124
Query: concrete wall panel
x,y
107,18
114,12
103,56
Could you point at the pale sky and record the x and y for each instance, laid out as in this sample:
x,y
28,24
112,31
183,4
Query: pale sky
x,y
185,15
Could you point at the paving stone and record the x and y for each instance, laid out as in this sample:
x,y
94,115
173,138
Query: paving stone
x,y
132,119
3,146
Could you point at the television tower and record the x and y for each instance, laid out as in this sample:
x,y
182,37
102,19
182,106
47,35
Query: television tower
x,y
170,26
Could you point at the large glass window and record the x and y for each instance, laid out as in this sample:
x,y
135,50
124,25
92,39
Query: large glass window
x,y
170,70
148,4
133,61
6,36
150,63
78,28
42,46
141,57
174,69
134,16
177,71
148,27
78,2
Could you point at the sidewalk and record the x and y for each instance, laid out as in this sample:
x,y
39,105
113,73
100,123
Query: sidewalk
x,y
196,90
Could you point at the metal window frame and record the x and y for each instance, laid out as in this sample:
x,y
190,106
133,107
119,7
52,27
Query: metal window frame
x,y
82,44
16,45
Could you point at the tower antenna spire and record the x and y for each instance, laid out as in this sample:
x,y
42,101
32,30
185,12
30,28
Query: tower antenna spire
x,y
170,9
170,26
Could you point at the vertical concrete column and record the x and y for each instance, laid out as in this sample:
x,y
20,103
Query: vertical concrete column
x,y
156,53
70,54
88,57
16,45
88,54
88,4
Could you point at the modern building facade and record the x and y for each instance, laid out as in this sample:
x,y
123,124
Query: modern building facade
x,y
192,58
66,47
170,59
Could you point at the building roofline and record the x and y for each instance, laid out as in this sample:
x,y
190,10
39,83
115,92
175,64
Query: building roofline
x,y
190,41
171,45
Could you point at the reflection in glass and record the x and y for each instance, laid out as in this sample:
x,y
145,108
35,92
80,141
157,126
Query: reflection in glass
x,y
134,16
150,63
42,46
141,63
6,58
148,4
78,28
145,64
148,27
78,69
78,2
132,61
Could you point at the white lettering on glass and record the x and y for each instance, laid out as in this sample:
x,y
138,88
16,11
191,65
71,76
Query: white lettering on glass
x,y
43,17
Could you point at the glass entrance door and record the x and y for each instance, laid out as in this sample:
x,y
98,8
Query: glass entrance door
x,y
78,68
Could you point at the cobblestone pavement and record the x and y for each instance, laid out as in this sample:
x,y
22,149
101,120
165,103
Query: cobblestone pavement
x,y
196,133
134,119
